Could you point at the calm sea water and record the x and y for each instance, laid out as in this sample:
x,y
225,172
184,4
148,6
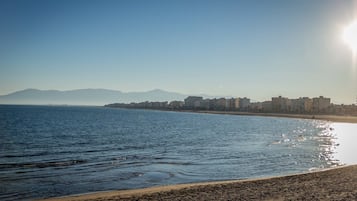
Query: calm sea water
x,y
48,151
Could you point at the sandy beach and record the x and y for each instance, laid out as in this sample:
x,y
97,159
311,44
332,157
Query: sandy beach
x,y
334,118
332,184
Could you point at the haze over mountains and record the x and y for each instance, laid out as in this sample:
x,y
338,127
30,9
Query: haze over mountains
x,y
86,97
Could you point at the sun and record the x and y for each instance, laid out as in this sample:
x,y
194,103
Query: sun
x,y
350,35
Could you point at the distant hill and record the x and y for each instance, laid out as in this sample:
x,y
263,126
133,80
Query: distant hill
x,y
86,97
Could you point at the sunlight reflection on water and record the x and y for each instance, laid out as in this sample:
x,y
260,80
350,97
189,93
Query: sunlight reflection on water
x,y
50,151
346,136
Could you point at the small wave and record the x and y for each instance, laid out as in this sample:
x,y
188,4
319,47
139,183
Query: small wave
x,y
174,163
42,164
25,155
315,169
14,196
143,160
157,176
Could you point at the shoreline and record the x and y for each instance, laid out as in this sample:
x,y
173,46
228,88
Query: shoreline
x,y
333,118
324,117
338,183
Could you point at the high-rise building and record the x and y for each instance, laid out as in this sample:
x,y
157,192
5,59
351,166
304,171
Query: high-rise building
x,y
321,104
193,102
280,104
244,103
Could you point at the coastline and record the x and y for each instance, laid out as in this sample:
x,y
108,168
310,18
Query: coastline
x,y
330,184
327,117
334,118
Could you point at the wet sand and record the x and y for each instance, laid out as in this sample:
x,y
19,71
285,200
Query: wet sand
x,y
332,184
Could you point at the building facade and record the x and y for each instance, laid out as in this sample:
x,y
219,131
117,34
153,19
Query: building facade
x,y
321,104
193,102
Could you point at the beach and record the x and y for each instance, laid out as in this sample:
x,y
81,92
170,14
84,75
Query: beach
x,y
331,184
334,118
338,183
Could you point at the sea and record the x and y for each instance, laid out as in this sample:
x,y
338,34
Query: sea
x,y
52,151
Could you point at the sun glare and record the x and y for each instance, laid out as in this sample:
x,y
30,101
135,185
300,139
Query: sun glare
x,y
350,36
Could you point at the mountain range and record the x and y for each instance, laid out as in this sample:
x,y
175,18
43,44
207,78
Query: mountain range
x,y
86,97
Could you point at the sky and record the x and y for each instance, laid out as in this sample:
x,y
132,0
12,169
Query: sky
x,y
256,49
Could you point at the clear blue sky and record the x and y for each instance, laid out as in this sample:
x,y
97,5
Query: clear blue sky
x,y
247,48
